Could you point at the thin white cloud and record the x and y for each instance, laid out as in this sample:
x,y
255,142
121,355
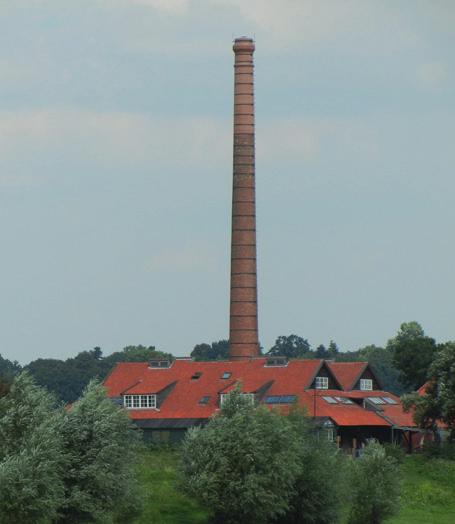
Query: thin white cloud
x,y
110,139
124,141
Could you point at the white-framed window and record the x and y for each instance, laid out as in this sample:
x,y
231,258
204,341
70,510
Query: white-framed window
x,y
322,382
366,384
248,396
139,401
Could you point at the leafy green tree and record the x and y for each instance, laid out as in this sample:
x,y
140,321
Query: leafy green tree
x,y
413,353
68,378
318,487
8,369
215,351
438,402
321,352
100,451
333,350
291,346
138,353
31,454
242,464
381,361
376,485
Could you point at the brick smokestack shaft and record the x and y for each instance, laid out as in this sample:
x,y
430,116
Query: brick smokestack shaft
x,y
243,331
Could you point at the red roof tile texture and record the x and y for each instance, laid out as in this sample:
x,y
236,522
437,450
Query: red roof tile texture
x,y
189,381
347,373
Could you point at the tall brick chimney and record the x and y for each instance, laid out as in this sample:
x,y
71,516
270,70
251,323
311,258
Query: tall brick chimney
x,y
243,329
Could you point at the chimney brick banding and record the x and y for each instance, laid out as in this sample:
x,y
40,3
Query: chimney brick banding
x,y
243,328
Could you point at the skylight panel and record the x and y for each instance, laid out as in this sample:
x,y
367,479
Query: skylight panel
x,y
287,399
280,399
344,400
272,399
390,400
196,375
204,399
330,400
226,375
376,400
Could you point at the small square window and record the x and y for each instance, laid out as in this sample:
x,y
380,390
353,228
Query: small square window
x,y
322,383
366,384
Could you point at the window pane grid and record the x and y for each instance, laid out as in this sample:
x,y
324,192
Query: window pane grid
x,y
366,384
139,401
322,383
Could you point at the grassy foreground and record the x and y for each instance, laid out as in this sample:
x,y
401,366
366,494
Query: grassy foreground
x,y
428,495
163,503
428,492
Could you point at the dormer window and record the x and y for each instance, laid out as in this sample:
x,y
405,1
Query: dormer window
x,y
139,401
321,383
158,364
366,384
275,362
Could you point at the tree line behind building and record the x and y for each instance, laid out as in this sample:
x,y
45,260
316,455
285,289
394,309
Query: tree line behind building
x,y
401,365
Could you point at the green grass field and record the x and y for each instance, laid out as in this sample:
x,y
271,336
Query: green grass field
x,y
428,492
428,495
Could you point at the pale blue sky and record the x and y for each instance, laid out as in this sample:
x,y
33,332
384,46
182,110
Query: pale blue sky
x,y
115,171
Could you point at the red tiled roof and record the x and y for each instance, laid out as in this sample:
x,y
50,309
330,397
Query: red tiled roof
x,y
341,414
252,375
347,373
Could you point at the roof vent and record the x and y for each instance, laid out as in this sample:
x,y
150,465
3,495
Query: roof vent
x,y
273,362
159,364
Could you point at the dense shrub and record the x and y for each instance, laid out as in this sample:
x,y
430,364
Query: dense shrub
x,y
396,451
376,486
444,450
64,466
242,465
100,450
31,454
318,486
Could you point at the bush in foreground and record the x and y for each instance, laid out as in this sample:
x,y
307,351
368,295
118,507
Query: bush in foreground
x,y
242,465
64,466
376,486
31,454
253,465
318,486
99,443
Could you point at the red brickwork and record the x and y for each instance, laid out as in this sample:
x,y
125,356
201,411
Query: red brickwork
x,y
243,332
